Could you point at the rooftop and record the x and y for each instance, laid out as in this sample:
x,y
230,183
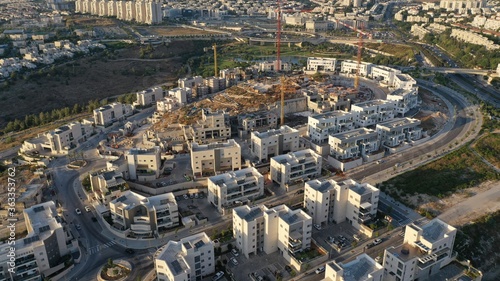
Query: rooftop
x,y
275,132
360,268
250,214
359,188
139,151
41,218
356,133
399,122
130,199
229,143
234,177
295,157
436,230
321,186
371,103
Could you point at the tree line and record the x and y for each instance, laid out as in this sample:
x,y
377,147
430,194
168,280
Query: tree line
x,y
35,120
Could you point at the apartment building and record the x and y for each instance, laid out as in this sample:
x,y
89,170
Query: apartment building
x,y
274,142
107,185
215,84
232,75
406,100
352,148
143,164
261,229
270,66
234,188
43,251
419,31
256,121
181,94
425,250
108,114
60,140
474,38
321,126
214,126
455,5
404,81
384,74
150,96
144,216
167,104
319,200
373,112
350,66
190,259
398,131
190,82
321,64
210,159
363,268
141,11
353,202
294,167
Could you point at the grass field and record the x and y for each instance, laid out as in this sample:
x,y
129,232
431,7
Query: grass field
x,y
489,148
457,170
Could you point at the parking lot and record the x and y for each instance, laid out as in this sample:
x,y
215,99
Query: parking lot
x,y
343,237
261,265
199,206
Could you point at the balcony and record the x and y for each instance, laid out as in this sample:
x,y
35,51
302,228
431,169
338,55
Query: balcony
x,y
294,243
364,218
141,220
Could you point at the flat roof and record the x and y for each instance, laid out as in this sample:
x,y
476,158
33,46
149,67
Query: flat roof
x,y
229,143
372,103
436,230
354,133
275,132
398,122
321,186
360,268
250,214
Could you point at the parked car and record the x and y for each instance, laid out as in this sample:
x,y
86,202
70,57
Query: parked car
x,y
356,237
78,227
235,252
317,226
87,208
129,251
377,241
218,276
378,259
320,270
288,268
233,261
185,196
78,212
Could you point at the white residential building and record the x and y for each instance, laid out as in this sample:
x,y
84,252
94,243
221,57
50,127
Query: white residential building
x,y
398,131
274,142
425,250
234,188
419,31
150,96
107,185
270,66
321,126
354,146
259,229
144,164
190,82
212,158
404,81
190,259
60,140
321,64
319,200
355,202
350,66
213,126
474,38
106,115
373,112
144,216
296,166
43,251
455,5
384,74
363,268
406,100
141,11
181,94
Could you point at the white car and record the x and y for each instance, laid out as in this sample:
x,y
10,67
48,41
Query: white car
x,y
235,252
377,241
317,226
218,276
87,208
320,270
78,212
234,261
185,196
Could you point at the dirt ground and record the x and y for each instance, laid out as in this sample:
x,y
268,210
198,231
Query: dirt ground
x,y
433,112
92,78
